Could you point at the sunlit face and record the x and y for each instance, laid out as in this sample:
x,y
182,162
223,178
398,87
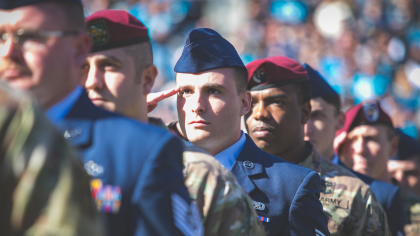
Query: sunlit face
x,y
210,108
275,122
367,150
322,125
407,172
111,81
49,73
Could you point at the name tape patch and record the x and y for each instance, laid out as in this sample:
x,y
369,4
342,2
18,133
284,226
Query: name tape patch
x,y
338,202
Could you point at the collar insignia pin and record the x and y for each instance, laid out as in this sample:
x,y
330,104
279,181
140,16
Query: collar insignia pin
x,y
258,205
248,164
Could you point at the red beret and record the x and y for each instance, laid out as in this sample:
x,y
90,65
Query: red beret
x,y
274,72
115,28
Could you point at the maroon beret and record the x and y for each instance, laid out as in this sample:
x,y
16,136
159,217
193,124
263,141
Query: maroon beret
x,y
115,28
365,113
274,72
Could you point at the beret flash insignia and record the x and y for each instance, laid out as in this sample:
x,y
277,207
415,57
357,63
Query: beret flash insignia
x,y
99,33
371,111
260,75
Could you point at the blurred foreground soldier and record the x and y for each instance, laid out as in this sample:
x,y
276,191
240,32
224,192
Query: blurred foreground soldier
x,y
212,99
119,79
405,168
44,187
366,143
281,107
137,184
326,118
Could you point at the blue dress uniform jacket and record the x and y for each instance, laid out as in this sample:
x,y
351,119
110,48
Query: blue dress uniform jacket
x,y
389,197
288,193
135,169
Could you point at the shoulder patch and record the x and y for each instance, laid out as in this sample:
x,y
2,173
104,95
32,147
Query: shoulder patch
x,y
186,217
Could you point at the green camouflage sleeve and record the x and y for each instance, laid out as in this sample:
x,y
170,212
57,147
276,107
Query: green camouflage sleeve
x,y
412,210
44,188
224,206
376,223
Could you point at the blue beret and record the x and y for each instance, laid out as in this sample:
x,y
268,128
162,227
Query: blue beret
x,y
11,4
319,87
205,49
407,147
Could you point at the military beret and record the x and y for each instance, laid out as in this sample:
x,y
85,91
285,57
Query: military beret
x,y
274,72
407,147
205,49
319,87
366,113
11,4
115,28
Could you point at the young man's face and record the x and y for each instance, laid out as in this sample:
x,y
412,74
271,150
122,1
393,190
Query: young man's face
x,y
47,67
367,150
210,108
407,172
322,125
276,119
112,82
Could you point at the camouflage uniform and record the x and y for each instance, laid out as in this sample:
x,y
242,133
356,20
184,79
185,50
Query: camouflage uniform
x,y
350,205
44,189
411,204
224,206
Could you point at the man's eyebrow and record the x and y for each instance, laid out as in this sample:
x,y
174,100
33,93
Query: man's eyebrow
x,y
212,85
102,58
274,96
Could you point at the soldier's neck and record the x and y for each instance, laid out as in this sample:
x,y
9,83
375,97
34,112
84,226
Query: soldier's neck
x,y
295,154
384,177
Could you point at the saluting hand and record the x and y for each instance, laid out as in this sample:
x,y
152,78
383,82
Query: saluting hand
x,y
154,98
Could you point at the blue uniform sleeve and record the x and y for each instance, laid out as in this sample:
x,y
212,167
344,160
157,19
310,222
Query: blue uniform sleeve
x,y
306,215
160,196
395,214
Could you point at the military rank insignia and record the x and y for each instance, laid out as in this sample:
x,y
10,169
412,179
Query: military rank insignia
x,y
99,33
260,75
107,198
327,187
371,111
264,219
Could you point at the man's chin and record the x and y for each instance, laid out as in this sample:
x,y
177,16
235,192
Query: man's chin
x,y
21,83
197,137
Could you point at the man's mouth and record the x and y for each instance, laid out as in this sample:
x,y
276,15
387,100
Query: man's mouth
x,y
13,73
198,123
262,131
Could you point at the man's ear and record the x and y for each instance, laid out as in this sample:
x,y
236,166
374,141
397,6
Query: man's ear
x,y
148,77
83,46
246,100
306,112
341,120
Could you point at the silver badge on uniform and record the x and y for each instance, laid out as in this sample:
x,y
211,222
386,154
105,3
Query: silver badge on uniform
x,y
371,111
258,205
93,169
248,164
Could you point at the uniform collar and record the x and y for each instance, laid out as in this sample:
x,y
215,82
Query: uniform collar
x,y
228,156
314,156
335,159
57,112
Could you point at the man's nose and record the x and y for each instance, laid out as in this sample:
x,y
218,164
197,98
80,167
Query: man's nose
x,y
197,103
260,112
11,50
95,79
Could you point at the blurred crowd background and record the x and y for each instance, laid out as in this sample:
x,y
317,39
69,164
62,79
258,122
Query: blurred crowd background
x,y
366,49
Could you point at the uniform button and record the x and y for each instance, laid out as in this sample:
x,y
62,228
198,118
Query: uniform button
x,y
72,133
248,164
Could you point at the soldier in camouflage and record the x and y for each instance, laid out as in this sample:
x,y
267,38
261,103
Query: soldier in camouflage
x,y
44,187
281,98
223,205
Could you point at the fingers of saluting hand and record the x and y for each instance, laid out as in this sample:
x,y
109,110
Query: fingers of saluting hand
x,y
153,98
